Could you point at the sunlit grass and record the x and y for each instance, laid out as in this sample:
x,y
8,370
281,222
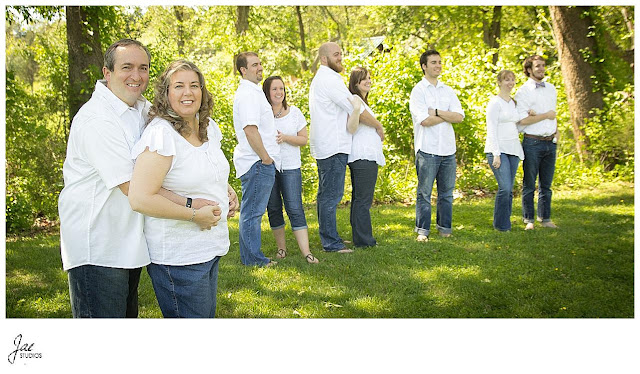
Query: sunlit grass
x,y
584,269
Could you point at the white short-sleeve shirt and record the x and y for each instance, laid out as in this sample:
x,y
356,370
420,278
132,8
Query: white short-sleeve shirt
x,y
97,225
502,133
541,100
438,139
196,172
290,124
250,107
366,143
329,107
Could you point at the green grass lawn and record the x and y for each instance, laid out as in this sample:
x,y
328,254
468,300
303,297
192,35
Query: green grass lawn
x,y
583,269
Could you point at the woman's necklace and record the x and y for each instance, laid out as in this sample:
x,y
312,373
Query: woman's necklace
x,y
279,113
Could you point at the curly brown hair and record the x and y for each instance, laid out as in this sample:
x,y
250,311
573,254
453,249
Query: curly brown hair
x,y
162,109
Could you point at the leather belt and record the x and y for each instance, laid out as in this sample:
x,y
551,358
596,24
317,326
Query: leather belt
x,y
545,138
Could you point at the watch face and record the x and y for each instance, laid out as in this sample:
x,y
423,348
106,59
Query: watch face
x,y
189,202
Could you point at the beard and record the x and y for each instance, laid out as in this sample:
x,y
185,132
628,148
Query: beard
x,y
337,67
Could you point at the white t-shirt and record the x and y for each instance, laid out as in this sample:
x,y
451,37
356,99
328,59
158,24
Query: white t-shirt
x,y
541,100
438,139
97,225
329,107
502,133
196,172
290,124
250,107
366,144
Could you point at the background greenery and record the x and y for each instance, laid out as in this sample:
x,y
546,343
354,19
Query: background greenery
x,y
37,119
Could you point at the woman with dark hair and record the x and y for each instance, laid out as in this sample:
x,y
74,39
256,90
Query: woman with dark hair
x,y
503,147
287,188
365,157
180,151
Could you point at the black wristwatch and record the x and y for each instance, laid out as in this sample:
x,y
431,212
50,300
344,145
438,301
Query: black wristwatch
x,y
437,113
189,201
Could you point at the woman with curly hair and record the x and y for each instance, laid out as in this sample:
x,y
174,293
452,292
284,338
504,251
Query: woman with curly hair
x,y
180,151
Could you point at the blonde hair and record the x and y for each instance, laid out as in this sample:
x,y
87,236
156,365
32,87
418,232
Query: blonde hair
x,y
162,108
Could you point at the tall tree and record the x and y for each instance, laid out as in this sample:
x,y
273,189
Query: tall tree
x,y
242,21
571,27
491,31
303,46
85,55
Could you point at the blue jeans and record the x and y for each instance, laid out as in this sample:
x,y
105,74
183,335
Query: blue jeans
x,y
187,291
441,169
287,189
255,186
506,176
363,182
539,162
102,292
331,173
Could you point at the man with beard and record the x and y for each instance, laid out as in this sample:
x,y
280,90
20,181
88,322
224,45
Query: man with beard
x,y
254,157
434,108
330,142
537,110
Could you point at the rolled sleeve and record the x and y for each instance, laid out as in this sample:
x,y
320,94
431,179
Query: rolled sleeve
x,y
455,105
108,152
248,112
523,105
418,107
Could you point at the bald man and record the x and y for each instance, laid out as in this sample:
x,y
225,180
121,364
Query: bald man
x,y
329,140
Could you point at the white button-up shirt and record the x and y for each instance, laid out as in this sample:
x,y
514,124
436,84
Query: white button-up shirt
x,y
97,225
438,139
502,134
541,100
329,107
250,107
197,172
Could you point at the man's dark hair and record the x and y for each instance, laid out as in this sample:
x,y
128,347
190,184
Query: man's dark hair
x,y
528,63
241,60
110,54
425,57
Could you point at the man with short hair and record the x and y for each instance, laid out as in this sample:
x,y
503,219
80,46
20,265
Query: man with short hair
x,y
537,111
434,108
330,142
254,157
102,244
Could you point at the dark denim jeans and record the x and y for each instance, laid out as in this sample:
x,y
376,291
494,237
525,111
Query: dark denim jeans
x,y
256,184
187,291
539,163
287,189
363,184
102,292
331,173
506,176
441,169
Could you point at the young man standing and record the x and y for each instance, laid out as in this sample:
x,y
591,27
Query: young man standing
x,y
330,142
434,108
254,157
537,110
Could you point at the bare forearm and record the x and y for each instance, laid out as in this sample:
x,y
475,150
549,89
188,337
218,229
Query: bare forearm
x,y
296,140
530,120
451,117
367,119
431,121
255,141
159,206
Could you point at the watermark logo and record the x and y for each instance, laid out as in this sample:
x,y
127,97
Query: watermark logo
x,y
23,350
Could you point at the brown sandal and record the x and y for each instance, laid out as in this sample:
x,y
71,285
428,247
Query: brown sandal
x,y
311,259
282,253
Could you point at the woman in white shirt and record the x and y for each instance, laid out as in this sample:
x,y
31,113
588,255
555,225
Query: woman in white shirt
x,y
365,157
287,188
180,151
503,147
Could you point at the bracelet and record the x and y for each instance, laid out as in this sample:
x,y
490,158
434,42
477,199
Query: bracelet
x,y
193,216
437,112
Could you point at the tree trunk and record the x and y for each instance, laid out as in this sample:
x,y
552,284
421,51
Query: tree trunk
x,y
303,46
492,31
85,51
571,26
178,11
242,21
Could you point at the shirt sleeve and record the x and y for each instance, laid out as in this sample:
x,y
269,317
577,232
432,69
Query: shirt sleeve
x,y
493,114
454,104
248,111
157,138
339,94
301,122
523,104
106,148
418,106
